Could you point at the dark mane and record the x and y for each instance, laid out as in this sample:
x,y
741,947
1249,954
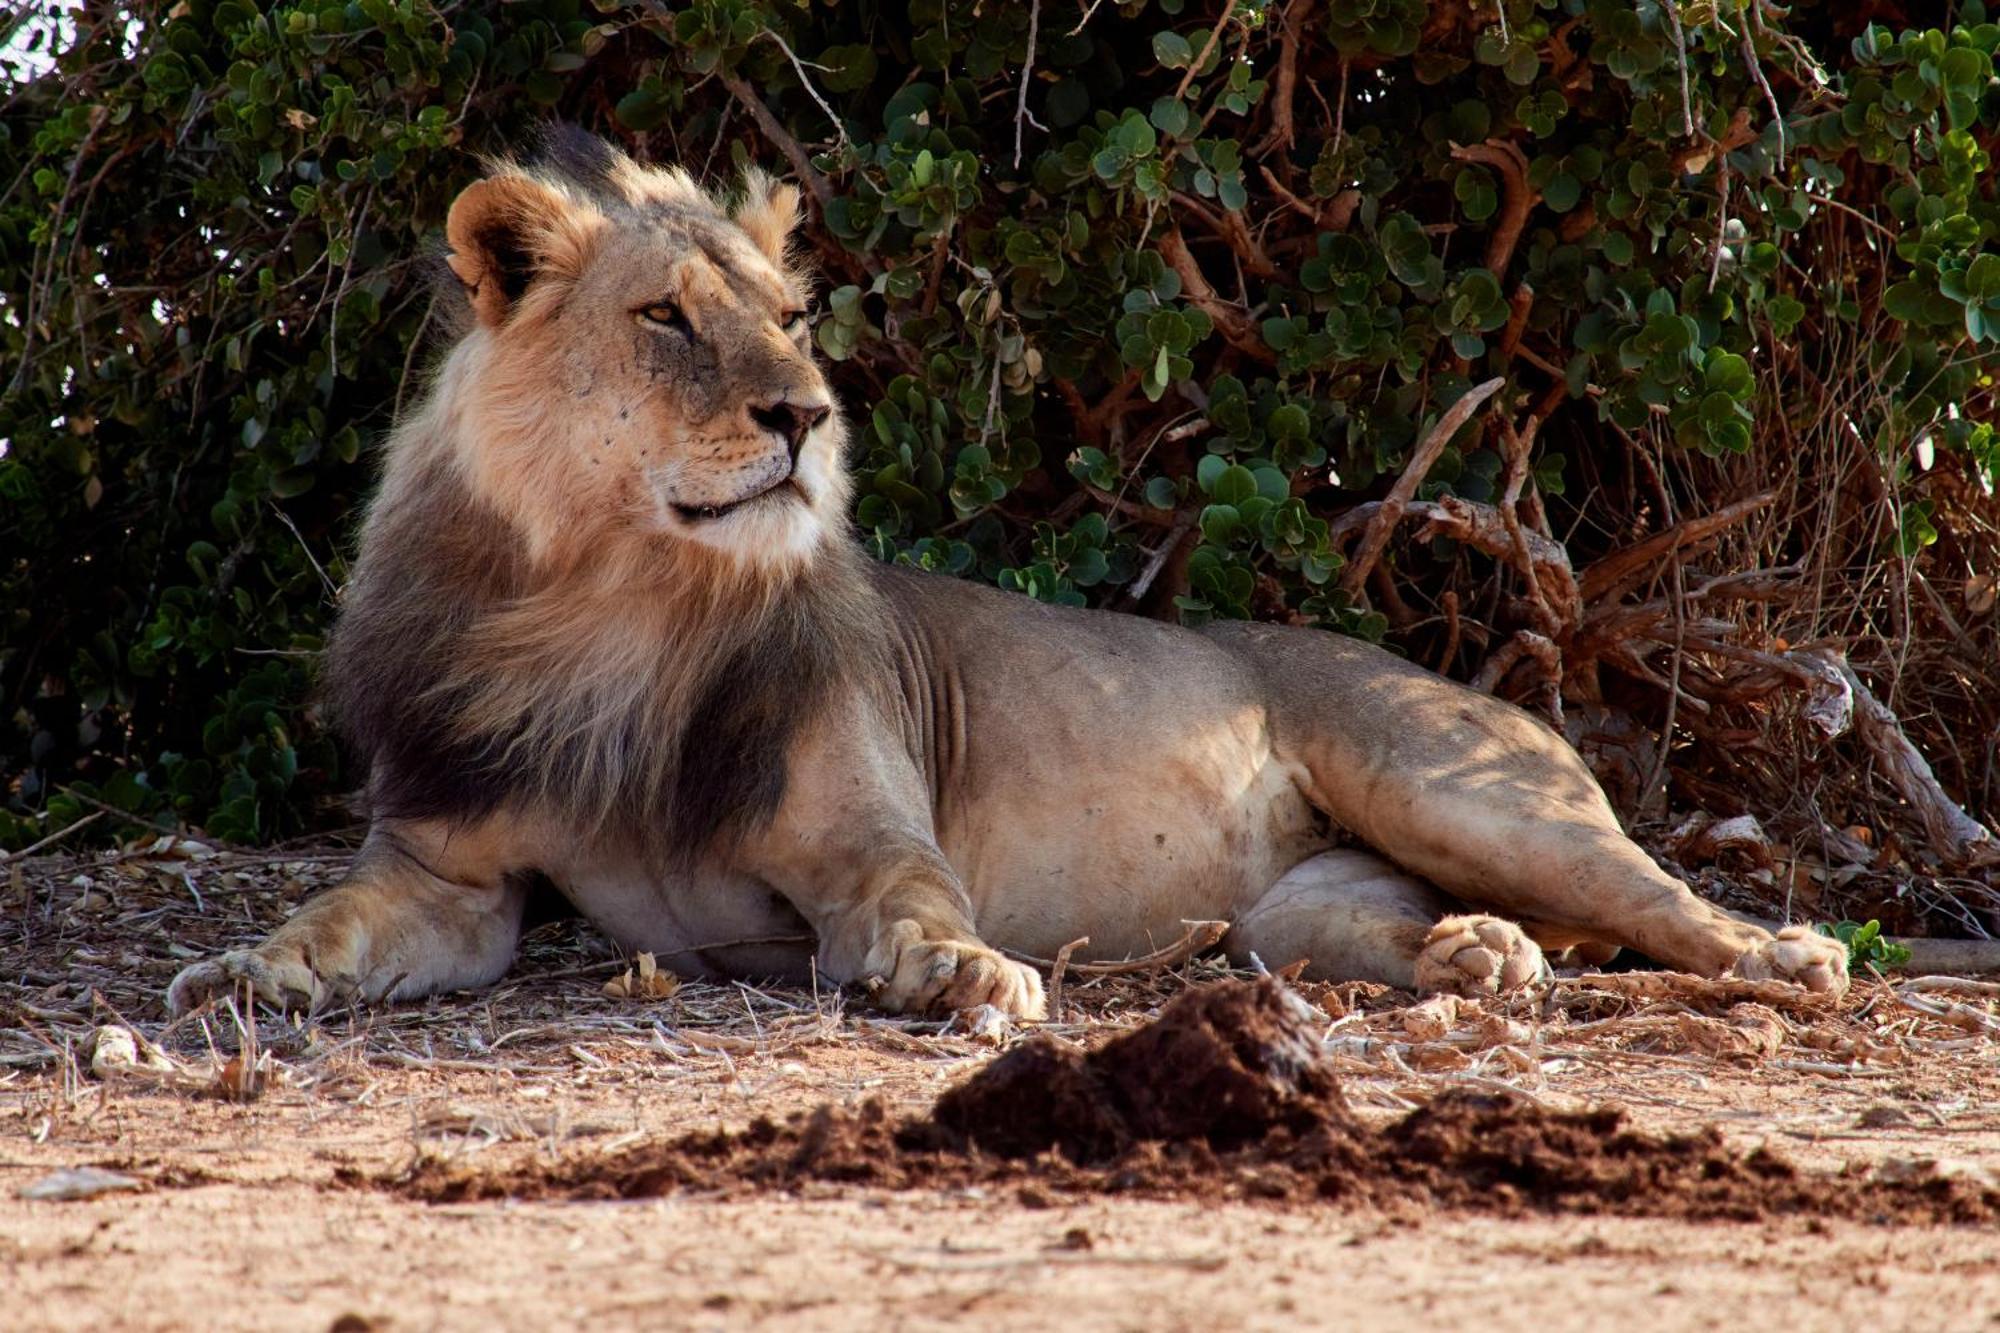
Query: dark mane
x,y
404,671
577,155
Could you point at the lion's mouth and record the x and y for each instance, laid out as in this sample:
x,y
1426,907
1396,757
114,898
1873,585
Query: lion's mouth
x,y
777,490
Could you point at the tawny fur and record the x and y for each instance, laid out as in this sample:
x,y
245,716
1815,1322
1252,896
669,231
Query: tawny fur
x,y
608,631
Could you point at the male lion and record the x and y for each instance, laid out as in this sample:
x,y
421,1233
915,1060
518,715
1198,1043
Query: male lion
x,y
609,630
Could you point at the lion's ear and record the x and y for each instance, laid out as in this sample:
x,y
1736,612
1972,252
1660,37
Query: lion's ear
x,y
505,232
767,213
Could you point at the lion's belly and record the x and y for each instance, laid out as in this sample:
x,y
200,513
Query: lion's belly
x,y
696,923
1127,849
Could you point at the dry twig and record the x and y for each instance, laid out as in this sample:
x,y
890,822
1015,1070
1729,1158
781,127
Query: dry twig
x,y
1200,935
1958,838
1382,522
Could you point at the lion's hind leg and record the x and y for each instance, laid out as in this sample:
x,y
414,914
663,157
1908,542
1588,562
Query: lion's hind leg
x,y
393,929
1491,806
1355,917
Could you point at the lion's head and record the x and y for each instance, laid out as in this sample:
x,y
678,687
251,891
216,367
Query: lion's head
x,y
639,367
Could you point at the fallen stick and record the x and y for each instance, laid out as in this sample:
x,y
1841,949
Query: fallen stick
x,y
1931,955
1200,935
53,838
1954,985
1959,838
1384,520
1961,1016
1056,974
1689,987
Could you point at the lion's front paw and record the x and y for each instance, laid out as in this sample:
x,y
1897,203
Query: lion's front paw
x,y
944,976
287,983
1798,954
1477,955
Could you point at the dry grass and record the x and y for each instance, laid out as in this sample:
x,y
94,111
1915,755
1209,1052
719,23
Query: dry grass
x,y
91,941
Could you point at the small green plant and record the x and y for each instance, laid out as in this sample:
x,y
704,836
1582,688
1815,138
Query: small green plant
x,y
1867,946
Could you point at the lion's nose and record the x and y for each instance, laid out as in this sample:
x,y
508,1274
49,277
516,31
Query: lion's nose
x,y
792,421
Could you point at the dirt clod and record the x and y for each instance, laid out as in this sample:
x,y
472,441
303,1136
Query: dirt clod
x,y
1225,1065
1224,1096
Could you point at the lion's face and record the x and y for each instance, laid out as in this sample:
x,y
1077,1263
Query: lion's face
x,y
644,366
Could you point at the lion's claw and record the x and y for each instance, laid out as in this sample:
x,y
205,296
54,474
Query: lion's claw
x,y
944,976
281,983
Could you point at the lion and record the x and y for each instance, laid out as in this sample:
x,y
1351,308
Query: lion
x,y
609,631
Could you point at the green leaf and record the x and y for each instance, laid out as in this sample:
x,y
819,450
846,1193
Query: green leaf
x,y
1289,422
1906,300
641,109
847,69
1562,192
1170,116
1235,485
1784,312
1219,522
1208,471
1965,67
1728,373
1982,277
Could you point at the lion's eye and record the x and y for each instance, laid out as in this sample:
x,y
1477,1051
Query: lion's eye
x,y
796,322
667,315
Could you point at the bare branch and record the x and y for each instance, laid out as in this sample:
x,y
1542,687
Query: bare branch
x,y
1228,224
1516,444
1021,117
1285,85
1756,68
1214,34
1230,320
798,67
1621,569
1958,838
1384,520
780,138
1517,200
1200,935
1517,320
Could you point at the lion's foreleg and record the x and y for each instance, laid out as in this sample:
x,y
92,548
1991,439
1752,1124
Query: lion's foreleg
x,y
852,848
394,929
907,935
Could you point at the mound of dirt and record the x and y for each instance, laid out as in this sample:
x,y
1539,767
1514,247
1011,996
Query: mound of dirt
x,y
1226,1065
1225,1096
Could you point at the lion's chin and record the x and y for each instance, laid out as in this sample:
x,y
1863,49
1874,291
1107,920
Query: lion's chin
x,y
779,526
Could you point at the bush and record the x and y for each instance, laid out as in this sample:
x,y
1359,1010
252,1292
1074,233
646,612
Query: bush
x,y
1132,305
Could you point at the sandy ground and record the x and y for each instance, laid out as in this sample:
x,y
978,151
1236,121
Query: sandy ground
x,y
248,1222
275,1213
